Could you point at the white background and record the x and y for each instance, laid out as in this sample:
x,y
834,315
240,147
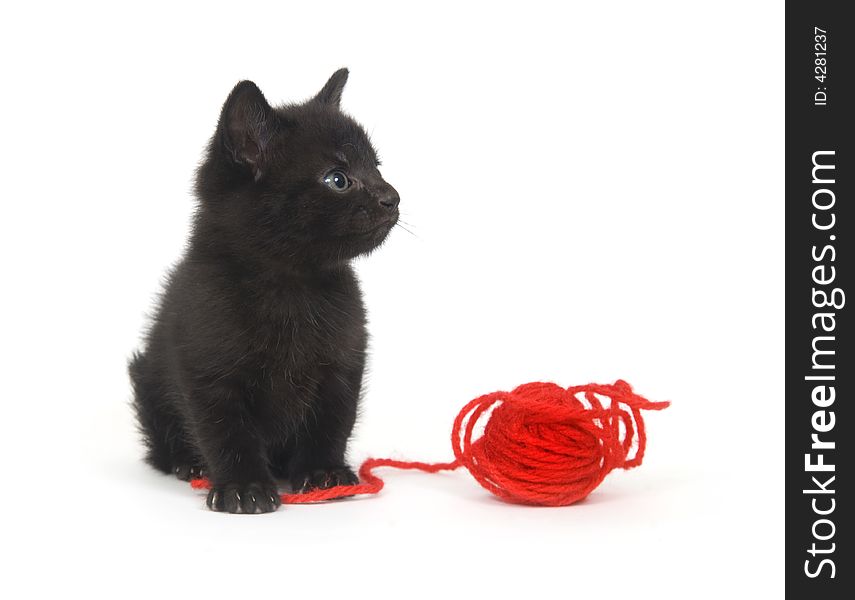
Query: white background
x,y
596,191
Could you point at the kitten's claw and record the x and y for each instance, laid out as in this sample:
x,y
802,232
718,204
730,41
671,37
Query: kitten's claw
x,y
247,498
322,479
188,472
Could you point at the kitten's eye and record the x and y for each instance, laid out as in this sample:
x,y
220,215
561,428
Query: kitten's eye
x,y
337,181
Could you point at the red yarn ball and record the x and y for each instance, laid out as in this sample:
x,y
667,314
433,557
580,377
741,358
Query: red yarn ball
x,y
542,445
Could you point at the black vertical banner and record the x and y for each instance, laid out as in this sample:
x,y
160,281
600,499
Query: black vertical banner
x,y
820,372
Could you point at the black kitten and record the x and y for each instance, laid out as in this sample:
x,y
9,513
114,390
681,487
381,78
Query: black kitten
x,y
253,366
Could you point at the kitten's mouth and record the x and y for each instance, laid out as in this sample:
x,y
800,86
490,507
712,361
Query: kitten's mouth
x,y
381,229
365,240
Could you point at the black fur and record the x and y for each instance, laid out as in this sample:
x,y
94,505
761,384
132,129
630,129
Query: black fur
x,y
253,365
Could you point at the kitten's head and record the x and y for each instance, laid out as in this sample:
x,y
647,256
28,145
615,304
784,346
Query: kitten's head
x,y
297,183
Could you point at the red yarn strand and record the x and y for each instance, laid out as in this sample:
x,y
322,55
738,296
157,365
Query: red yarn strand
x,y
540,444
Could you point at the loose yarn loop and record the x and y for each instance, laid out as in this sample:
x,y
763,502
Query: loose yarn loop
x,y
540,444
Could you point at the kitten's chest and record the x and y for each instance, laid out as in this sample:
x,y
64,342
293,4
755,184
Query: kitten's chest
x,y
309,326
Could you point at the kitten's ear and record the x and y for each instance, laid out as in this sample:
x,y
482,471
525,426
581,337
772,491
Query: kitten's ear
x,y
330,94
247,124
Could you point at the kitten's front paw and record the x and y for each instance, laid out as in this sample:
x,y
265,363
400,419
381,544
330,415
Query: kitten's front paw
x,y
322,479
188,472
244,498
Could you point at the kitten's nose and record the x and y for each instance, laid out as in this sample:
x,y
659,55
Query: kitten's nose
x,y
389,200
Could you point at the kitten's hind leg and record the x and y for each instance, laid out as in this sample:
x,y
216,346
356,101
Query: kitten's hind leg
x,y
188,472
167,447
